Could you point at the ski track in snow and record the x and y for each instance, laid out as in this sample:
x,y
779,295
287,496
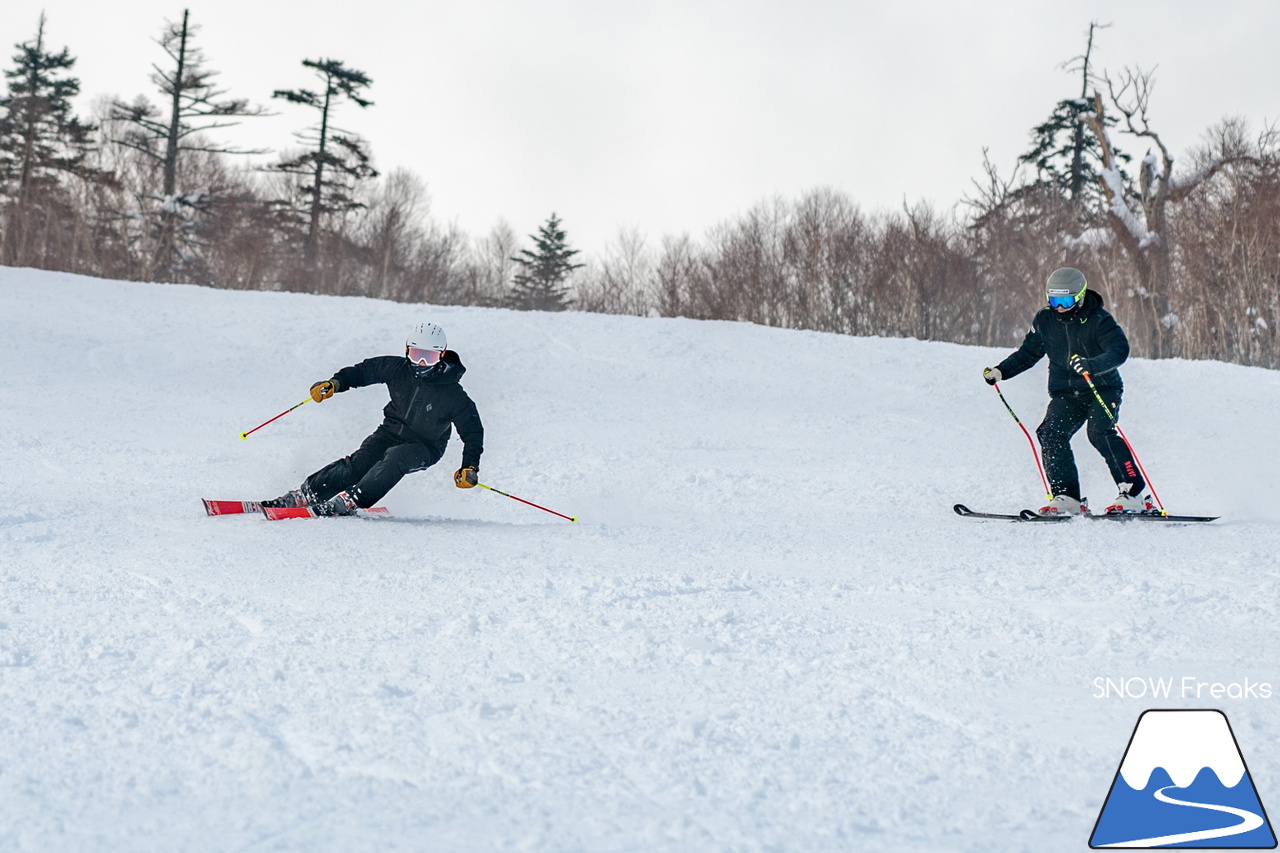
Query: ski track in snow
x,y
768,632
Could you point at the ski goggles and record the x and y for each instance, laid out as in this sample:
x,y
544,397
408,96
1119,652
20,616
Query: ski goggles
x,y
423,357
1065,299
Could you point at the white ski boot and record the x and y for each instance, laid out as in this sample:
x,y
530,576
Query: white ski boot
x,y
1127,503
1064,505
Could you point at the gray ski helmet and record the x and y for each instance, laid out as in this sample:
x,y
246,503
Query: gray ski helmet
x,y
1065,288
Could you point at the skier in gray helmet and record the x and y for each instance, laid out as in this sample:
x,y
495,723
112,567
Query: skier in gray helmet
x,y
426,404
1079,336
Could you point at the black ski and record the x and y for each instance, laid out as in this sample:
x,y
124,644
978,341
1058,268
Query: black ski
x,y
1151,516
1025,515
1032,515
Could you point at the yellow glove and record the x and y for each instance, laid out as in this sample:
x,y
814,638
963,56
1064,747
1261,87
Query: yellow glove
x,y
322,391
465,478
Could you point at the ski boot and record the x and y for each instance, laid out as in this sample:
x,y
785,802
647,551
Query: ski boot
x,y
296,497
1064,505
1126,503
340,504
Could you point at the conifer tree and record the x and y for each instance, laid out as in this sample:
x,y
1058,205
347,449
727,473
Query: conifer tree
x,y
41,143
1065,155
541,284
337,159
195,105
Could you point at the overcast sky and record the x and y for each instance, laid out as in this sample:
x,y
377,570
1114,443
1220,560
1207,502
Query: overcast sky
x,y
670,117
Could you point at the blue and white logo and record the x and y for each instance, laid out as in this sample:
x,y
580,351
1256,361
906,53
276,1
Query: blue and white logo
x,y
1183,783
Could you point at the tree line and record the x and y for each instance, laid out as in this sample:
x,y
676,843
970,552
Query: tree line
x,y
1188,259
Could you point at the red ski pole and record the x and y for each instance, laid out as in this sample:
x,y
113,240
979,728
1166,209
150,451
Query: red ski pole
x,y
276,418
1125,439
1034,454
530,503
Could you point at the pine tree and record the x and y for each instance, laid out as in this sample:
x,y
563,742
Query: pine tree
x,y
1065,155
195,106
41,143
341,154
542,282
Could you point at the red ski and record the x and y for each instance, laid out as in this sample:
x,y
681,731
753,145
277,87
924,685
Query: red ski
x,y
231,507
278,513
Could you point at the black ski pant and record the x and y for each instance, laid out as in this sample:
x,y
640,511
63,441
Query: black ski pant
x,y
1066,414
369,473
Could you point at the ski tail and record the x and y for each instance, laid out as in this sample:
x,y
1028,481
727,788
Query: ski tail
x,y
230,507
1025,515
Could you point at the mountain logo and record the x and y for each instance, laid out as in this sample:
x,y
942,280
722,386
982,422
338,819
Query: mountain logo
x,y
1183,783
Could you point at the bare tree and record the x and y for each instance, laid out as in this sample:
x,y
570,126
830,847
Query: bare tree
x,y
1226,258
490,266
390,228
620,282
679,275
1139,219
827,246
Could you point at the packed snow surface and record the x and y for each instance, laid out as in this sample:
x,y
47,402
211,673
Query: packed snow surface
x,y
768,631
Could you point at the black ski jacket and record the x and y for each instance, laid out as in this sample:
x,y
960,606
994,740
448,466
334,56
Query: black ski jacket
x,y
1089,331
426,403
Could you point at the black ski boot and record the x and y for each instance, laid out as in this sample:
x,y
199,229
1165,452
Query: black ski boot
x,y
297,497
340,504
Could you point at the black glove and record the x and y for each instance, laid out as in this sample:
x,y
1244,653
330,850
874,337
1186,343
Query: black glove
x,y
1080,364
322,391
992,375
465,478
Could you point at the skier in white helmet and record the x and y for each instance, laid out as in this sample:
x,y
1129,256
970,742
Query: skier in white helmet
x,y
426,404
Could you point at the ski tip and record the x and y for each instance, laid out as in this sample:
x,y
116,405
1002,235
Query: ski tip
x,y
1165,517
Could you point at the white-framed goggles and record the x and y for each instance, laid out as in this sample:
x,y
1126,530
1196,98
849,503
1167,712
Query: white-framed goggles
x,y
423,357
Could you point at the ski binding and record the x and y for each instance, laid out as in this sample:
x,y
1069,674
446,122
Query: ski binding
x,y
279,513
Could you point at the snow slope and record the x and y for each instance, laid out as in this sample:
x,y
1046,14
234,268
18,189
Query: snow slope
x,y
769,632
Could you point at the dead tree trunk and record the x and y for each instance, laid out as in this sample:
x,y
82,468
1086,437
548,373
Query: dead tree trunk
x,y
1143,232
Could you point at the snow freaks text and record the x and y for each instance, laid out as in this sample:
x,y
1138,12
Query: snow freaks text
x,y
1185,687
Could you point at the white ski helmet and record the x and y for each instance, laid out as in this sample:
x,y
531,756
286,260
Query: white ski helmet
x,y
425,344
